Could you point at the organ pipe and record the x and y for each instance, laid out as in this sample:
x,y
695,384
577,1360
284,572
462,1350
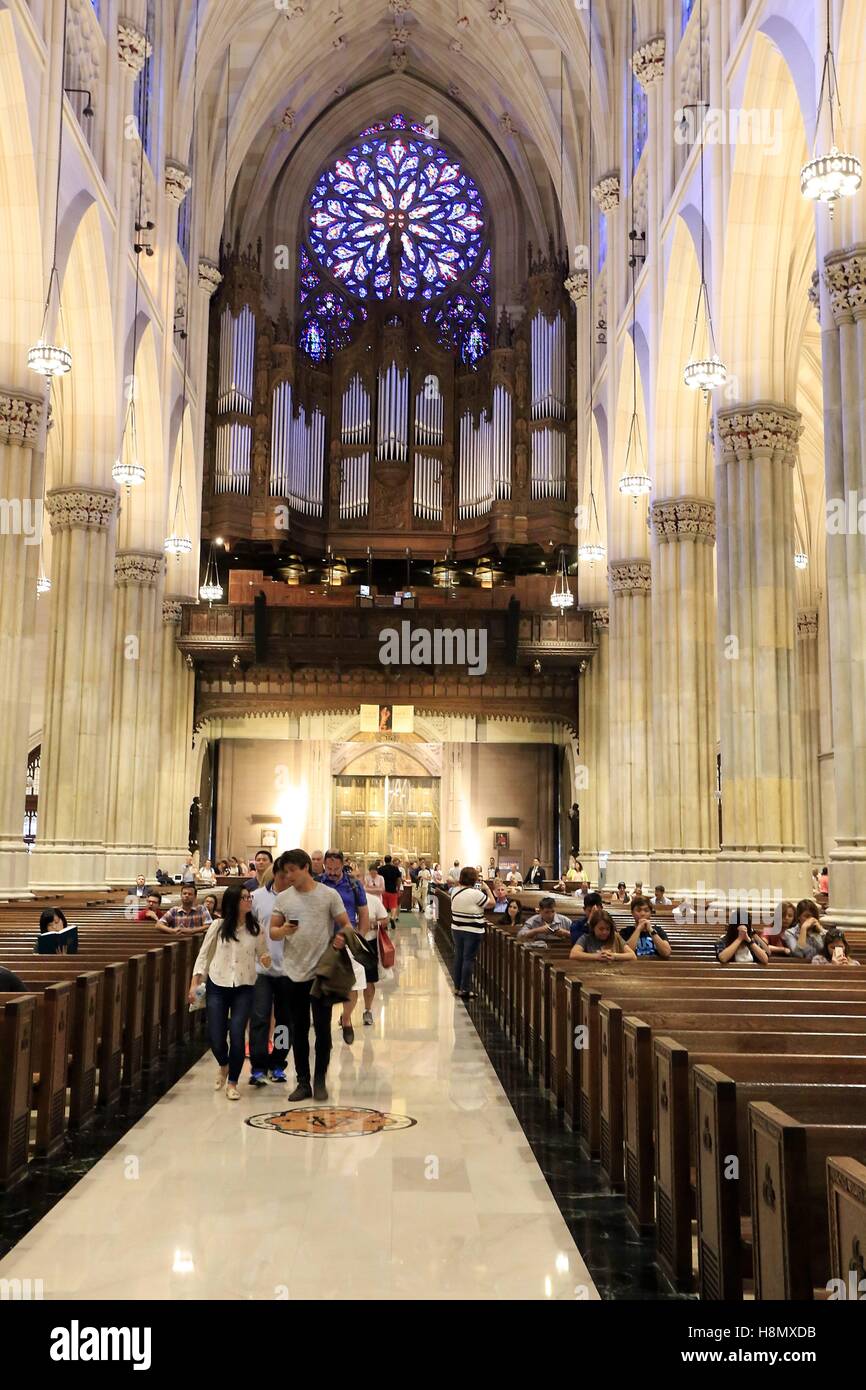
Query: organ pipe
x,y
548,368
548,464
475,467
393,414
297,453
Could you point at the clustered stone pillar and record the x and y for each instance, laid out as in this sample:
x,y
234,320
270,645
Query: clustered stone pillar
x,y
130,824
70,847
630,714
763,821
844,355
810,715
20,537
176,697
594,756
685,813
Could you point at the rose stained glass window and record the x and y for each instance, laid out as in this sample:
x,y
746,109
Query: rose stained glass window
x,y
397,188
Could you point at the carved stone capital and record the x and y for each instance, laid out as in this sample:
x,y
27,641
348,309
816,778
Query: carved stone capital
x,y
20,416
172,610
287,120
178,180
764,427
606,192
399,7
807,624
814,294
133,46
80,508
209,276
845,278
648,62
506,124
630,576
685,519
577,286
399,60
601,618
141,568
499,14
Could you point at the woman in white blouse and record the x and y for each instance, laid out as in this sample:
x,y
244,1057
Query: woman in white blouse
x,y
227,965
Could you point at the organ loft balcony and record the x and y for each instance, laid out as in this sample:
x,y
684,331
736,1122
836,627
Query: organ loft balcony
x,y
276,647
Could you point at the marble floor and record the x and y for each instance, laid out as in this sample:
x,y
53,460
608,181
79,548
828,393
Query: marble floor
x,y
193,1202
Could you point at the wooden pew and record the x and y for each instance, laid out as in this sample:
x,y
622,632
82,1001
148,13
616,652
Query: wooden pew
x,y
787,1166
808,1087
17,1013
846,1200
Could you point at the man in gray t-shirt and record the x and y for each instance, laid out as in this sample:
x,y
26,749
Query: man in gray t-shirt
x,y
305,914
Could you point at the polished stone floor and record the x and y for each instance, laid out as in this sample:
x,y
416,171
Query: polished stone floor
x,y
193,1202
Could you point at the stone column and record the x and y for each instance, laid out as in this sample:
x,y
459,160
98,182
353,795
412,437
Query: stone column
x,y
630,715
594,721
810,715
21,466
130,833
685,814
70,846
763,822
844,356
174,749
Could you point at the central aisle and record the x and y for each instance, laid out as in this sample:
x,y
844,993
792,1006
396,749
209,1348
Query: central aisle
x,y
195,1203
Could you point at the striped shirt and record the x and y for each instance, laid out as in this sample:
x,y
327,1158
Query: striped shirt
x,y
467,910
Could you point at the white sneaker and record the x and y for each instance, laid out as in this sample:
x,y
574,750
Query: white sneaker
x,y
232,1092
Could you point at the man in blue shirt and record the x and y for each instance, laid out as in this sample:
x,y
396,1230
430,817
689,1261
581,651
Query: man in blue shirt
x,y
593,906
355,901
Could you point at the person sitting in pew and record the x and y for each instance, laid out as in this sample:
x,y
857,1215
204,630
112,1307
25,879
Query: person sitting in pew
x,y
593,906
9,983
835,950
741,943
660,899
513,912
53,919
151,911
188,917
773,934
646,938
209,902
603,942
621,893
638,891
824,881
805,936
546,923
500,897
139,890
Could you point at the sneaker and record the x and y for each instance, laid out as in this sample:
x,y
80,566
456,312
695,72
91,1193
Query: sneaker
x,y
257,1078
368,1017
348,1034
303,1091
232,1092
278,1075
320,1090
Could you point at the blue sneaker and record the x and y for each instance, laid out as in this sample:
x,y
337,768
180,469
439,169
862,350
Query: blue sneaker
x,y
279,1076
258,1078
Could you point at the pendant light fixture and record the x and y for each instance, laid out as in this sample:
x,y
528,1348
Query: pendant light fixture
x,y
178,542
708,372
562,597
211,590
46,358
828,177
591,551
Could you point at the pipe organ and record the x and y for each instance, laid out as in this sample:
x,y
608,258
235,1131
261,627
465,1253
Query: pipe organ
x,y
388,433
237,341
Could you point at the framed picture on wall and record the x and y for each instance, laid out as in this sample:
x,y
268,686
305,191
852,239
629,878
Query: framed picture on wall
x,y
269,839
501,839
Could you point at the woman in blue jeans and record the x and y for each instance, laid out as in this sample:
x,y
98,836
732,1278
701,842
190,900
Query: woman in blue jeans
x,y
227,962
468,901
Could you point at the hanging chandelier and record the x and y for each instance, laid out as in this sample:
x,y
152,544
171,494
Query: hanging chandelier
x,y
47,358
703,373
562,597
211,590
127,470
828,177
43,583
591,553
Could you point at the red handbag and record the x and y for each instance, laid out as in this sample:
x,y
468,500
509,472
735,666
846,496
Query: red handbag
x,y
387,953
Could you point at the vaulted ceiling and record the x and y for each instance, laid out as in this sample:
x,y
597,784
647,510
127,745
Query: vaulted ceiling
x,y
516,68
